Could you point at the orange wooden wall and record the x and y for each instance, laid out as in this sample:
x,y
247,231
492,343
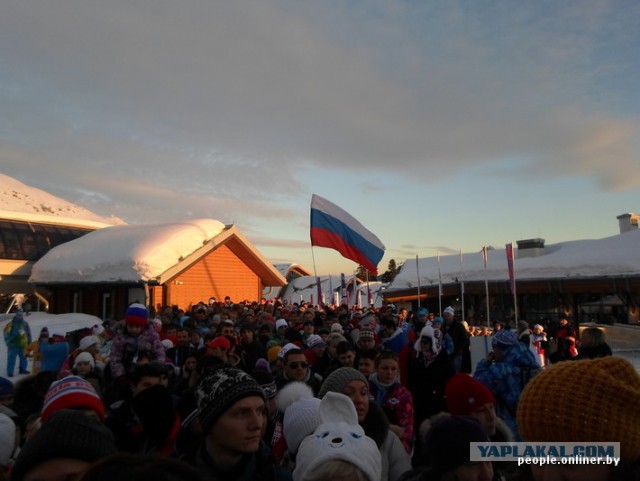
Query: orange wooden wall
x,y
221,273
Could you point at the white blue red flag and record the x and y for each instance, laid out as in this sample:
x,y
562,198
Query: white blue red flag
x,y
335,228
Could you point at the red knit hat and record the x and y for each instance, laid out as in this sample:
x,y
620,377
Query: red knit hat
x,y
466,394
71,392
136,315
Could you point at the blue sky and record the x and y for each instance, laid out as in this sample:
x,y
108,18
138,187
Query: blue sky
x,y
439,125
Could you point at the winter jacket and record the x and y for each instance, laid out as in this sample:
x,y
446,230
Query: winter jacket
x,y
427,383
258,466
125,349
507,378
395,460
397,403
17,332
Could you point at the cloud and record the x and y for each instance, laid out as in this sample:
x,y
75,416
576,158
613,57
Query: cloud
x,y
223,106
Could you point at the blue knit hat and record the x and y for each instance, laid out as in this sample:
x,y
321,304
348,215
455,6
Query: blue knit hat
x,y
136,315
505,339
6,387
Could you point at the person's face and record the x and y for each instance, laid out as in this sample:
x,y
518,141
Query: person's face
x,y
447,318
346,359
228,331
83,368
183,338
56,469
486,415
247,336
171,332
190,364
308,329
216,352
366,366
296,367
481,471
239,429
145,382
537,330
575,472
134,330
367,343
358,392
387,371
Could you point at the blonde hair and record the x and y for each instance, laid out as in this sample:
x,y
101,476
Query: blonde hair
x,y
338,468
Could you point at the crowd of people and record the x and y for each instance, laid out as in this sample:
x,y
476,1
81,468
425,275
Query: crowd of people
x,y
264,391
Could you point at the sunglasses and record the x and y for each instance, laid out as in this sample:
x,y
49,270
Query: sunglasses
x,y
298,365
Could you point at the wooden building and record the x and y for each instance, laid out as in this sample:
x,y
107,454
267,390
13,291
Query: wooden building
x,y
158,265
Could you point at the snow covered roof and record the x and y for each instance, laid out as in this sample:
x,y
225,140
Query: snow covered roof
x,y
284,269
138,253
25,203
614,256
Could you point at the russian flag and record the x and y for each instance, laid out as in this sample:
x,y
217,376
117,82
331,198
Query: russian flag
x,y
335,228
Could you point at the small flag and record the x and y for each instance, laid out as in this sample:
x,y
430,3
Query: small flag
x,y
335,228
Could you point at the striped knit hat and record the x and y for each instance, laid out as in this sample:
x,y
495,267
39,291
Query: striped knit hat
x,y
136,315
219,389
71,392
593,400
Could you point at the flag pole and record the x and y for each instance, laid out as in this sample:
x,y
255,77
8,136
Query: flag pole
x,y
439,285
462,285
511,262
418,273
486,282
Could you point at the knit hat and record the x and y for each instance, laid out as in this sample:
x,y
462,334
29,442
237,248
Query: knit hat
x,y
337,327
447,442
68,434
219,389
266,381
71,392
366,334
136,315
300,413
591,401
423,311
44,332
287,347
6,387
221,342
97,329
272,353
338,437
436,339
504,339
7,439
338,379
281,323
315,341
86,342
84,357
465,394
167,344
449,310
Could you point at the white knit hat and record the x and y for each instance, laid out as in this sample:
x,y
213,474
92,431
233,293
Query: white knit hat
x,y
86,342
300,420
338,437
84,357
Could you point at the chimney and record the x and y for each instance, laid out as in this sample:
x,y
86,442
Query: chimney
x,y
628,222
530,247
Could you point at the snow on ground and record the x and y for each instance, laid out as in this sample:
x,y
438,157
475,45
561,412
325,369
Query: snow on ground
x,y
56,323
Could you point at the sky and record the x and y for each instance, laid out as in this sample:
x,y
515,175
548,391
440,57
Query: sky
x,y
441,126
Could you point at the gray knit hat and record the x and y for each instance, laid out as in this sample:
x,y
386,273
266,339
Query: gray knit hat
x,y
219,389
67,434
338,379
